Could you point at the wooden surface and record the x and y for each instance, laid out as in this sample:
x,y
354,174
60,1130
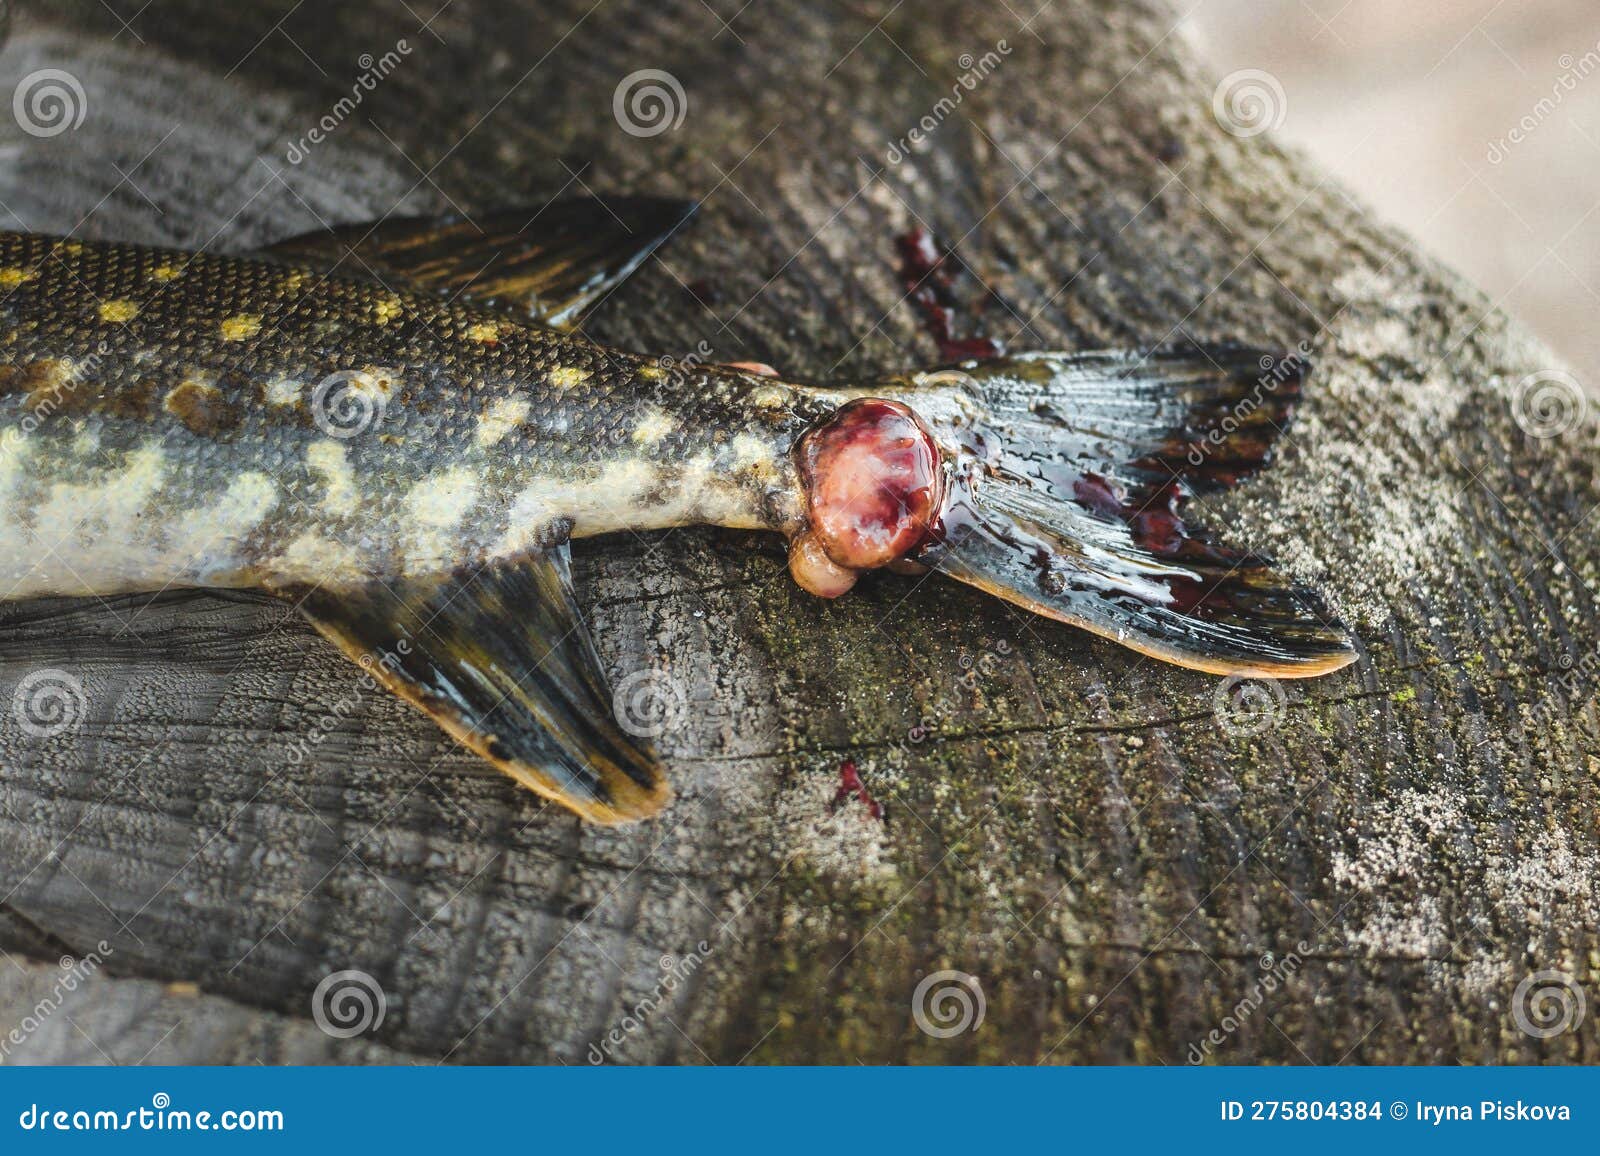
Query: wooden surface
x,y
1068,824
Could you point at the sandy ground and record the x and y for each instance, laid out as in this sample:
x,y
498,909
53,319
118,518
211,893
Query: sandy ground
x,y
1413,106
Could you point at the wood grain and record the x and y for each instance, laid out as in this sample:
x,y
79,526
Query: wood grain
x,y
1068,824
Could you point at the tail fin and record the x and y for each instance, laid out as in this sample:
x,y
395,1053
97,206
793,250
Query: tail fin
x,y
1070,507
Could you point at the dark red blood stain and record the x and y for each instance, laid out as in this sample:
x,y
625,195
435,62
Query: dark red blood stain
x,y
873,477
929,273
1152,518
850,784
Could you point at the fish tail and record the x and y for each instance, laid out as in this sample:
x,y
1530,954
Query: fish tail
x,y
1067,480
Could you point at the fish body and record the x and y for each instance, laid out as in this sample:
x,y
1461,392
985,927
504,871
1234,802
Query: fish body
x,y
394,427
191,420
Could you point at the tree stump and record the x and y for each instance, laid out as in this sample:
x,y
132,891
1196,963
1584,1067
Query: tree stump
x,y
1124,862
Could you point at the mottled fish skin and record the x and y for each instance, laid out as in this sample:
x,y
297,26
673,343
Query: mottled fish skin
x,y
158,427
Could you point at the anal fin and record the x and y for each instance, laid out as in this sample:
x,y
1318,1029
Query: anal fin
x,y
503,662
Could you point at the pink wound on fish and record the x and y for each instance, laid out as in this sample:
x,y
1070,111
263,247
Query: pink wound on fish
x,y
873,484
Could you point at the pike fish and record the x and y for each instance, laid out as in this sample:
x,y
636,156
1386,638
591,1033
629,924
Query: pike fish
x,y
396,428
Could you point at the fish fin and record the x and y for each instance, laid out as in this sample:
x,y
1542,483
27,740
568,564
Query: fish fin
x,y
1205,416
553,264
1183,600
1070,505
502,660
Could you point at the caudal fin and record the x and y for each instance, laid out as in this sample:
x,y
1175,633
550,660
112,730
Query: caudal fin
x,y
1071,506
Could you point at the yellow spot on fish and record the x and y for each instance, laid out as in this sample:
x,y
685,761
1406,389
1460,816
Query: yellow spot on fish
x,y
165,273
503,416
12,276
283,391
386,310
328,458
651,373
485,331
241,326
567,376
118,311
654,426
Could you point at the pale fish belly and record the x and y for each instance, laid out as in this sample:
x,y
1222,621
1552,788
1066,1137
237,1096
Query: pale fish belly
x,y
77,526
78,520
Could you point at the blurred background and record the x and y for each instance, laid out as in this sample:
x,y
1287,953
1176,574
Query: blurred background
x,y
1473,124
